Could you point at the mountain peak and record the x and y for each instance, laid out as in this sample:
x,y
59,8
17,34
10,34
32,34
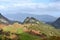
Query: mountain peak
x,y
31,20
57,23
1,15
58,18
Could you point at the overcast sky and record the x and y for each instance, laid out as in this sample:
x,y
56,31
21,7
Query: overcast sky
x,y
50,7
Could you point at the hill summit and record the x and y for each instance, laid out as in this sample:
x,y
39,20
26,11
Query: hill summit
x,y
31,20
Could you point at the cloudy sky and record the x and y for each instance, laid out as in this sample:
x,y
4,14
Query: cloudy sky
x,y
39,7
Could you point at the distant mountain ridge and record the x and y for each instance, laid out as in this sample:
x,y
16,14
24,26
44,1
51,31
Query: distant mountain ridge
x,y
21,17
33,20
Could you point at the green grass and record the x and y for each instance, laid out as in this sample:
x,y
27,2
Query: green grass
x,y
43,28
26,36
12,29
46,29
22,35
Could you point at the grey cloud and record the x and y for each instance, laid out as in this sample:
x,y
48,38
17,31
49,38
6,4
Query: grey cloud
x,y
33,9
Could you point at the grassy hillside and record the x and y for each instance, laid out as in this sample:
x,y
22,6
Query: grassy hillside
x,y
19,29
46,29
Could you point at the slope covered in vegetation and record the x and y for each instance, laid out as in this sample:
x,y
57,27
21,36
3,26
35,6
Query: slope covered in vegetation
x,y
29,31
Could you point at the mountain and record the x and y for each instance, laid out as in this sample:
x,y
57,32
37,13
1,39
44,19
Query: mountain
x,y
4,20
22,16
33,31
56,23
31,20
